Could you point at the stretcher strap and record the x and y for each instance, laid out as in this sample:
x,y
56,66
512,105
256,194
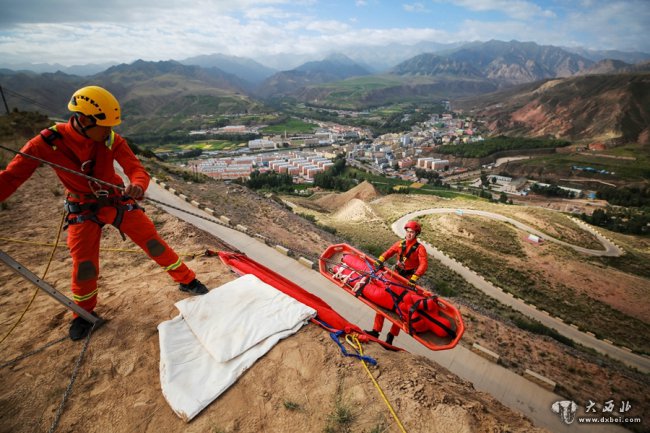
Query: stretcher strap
x,y
422,312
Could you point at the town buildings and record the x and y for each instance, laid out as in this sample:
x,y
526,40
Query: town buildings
x,y
395,154
303,166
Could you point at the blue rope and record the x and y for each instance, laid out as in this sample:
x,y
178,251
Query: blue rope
x,y
335,337
322,323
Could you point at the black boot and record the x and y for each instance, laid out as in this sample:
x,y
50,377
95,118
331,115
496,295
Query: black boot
x,y
389,338
194,287
80,327
372,333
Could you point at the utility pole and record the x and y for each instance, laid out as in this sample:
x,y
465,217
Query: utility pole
x,y
4,100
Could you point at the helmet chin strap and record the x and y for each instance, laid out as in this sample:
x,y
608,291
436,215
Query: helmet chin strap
x,y
83,128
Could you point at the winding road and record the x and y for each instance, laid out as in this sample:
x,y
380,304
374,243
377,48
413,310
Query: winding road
x,y
639,362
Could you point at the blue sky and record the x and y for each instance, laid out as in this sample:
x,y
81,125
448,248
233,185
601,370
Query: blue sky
x,y
73,32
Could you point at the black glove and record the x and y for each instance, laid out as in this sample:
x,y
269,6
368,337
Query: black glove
x,y
379,264
412,280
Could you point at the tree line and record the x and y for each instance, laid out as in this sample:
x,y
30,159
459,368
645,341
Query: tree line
x,y
271,180
333,178
498,144
551,191
627,196
622,221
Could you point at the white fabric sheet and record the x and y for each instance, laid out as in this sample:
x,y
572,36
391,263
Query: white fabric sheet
x,y
218,336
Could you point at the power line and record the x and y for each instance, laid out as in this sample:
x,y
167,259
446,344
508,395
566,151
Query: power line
x,y
4,100
29,100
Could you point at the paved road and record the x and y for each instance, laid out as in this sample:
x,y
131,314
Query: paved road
x,y
642,363
501,161
611,250
509,388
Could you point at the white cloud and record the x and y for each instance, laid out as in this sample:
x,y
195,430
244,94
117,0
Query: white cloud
x,y
603,24
327,27
519,9
268,13
415,7
472,30
166,29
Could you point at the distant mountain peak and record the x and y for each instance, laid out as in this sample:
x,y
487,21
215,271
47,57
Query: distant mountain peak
x,y
245,68
339,58
506,63
336,64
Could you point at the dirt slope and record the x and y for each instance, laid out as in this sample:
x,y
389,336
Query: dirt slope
x,y
303,384
365,191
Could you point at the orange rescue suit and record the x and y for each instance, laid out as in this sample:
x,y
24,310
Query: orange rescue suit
x,y
70,149
415,263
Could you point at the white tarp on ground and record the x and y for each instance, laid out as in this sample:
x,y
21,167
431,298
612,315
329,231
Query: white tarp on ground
x,y
218,336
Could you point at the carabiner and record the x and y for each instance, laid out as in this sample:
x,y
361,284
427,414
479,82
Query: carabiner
x,y
87,166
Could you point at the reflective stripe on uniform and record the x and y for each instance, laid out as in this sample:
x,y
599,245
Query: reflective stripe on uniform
x,y
173,266
78,298
110,140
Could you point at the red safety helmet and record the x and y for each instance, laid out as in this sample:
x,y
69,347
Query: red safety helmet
x,y
413,225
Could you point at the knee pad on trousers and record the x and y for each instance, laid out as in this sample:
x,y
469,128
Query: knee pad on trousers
x,y
86,271
155,248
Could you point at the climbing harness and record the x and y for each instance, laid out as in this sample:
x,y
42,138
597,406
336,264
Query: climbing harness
x,y
403,256
78,213
89,204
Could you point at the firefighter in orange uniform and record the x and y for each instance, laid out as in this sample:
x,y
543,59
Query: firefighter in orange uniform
x,y
412,263
88,144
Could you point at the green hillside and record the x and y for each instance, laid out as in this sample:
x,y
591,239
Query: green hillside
x,y
373,91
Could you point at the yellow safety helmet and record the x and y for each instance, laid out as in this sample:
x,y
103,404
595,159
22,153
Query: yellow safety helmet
x,y
98,104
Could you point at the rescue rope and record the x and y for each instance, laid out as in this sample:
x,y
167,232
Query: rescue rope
x,y
60,167
33,352
115,250
359,349
335,336
103,182
212,220
47,267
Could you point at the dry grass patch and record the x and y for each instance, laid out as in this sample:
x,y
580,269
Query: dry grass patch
x,y
549,276
394,206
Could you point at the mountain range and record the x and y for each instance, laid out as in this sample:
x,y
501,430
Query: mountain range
x,y
613,109
218,84
376,59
